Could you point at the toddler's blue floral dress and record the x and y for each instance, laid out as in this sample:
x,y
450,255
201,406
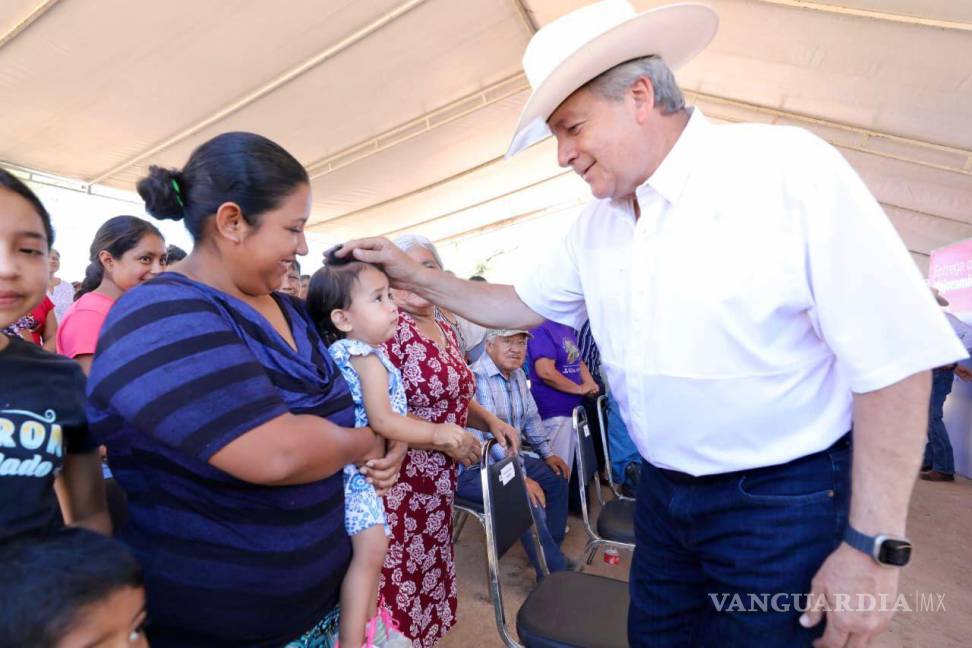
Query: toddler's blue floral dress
x,y
362,506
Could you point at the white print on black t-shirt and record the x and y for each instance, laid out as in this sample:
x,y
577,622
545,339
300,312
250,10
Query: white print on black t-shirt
x,y
36,432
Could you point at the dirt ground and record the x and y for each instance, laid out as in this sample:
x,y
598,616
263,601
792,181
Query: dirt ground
x,y
940,525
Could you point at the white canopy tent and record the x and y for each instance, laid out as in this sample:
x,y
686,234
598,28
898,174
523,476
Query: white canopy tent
x,y
402,109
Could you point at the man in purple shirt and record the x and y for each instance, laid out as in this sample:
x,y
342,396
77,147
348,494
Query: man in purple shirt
x,y
560,382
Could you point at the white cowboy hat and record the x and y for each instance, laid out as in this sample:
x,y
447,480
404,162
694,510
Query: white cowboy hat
x,y
575,48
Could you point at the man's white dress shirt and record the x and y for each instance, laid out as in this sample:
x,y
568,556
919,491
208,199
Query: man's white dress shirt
x,y
760,287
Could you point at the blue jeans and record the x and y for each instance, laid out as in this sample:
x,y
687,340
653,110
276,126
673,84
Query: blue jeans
x,y
620,445
700,541
551,521
938,450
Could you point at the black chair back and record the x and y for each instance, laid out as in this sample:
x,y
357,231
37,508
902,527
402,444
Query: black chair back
x,y
507,515
586,457
510,509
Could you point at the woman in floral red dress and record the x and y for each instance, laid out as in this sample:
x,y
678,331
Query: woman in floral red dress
x,y
418,582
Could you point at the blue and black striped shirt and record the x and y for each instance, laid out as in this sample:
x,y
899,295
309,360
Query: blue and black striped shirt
x,y
181,371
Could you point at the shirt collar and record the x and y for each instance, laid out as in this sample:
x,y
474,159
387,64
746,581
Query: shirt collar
x,y
672,174
486,367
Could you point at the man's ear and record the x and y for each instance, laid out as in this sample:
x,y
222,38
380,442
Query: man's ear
x,y
643,94
340,319
230,223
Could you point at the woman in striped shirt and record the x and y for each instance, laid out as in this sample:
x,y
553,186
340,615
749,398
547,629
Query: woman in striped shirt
x,y
225,419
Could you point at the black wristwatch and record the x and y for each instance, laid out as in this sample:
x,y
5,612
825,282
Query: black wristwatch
x,y
884,549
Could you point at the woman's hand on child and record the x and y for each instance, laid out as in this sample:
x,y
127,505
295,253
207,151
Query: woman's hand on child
x,y
383,472
377,450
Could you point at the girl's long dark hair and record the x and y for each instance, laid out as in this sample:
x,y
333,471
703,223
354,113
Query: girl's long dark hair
x,y
116,236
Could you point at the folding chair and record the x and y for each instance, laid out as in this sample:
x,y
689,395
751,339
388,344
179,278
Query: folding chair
x,y
566,609
602,405
615,522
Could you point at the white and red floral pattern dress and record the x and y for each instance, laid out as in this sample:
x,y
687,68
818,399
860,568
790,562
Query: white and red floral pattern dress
x,y
418,581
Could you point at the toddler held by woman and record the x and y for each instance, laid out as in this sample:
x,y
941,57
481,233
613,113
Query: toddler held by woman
x,y
351,304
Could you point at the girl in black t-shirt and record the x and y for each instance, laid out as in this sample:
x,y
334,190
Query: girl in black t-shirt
x,y
43,430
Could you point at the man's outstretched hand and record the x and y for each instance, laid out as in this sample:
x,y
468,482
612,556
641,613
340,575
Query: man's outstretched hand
x,y
400,268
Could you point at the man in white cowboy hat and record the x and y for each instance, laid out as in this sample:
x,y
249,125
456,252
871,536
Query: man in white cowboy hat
x,y
745,291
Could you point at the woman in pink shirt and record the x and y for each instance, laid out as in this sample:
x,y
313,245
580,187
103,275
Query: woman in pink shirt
x,y
125,252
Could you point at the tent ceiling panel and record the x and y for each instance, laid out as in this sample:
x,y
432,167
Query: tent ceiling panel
x,y
949,10
444,152
814,64
497,190
923,233
481,185
539,198
481,45
909,186
101,88
543,11
330,108
17,14
546,196
851,137
375,84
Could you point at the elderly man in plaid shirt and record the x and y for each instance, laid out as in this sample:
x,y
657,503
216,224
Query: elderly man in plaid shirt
x,y
501,387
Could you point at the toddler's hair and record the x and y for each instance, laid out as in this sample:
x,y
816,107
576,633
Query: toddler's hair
x,y
330,288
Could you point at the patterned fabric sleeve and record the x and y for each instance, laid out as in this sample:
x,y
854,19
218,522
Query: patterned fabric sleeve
x,y
342,351
170,364
393,347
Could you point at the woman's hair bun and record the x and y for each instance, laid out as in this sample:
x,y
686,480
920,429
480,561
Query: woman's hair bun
x,y
164,193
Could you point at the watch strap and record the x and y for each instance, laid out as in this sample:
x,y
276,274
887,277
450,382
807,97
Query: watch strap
x,y
860,541
883,549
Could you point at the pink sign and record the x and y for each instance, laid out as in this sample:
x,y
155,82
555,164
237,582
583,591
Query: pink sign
x,y
950,270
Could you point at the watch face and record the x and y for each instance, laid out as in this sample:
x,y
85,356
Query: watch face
x,y
895,552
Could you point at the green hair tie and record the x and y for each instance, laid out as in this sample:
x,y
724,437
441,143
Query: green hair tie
x,y
175,185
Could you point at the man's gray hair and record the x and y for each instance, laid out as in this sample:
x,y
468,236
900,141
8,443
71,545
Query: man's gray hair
x,y
406,242
613,83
